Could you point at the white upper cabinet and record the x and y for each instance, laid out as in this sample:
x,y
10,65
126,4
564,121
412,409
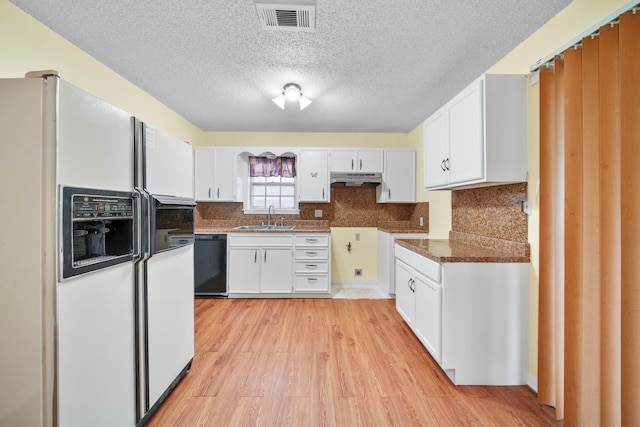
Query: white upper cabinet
x,y
478,138
466,143
399,177
214,177
436,151
313,176
357,161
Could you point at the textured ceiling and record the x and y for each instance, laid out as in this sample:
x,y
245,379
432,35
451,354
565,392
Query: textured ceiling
x,y
370,65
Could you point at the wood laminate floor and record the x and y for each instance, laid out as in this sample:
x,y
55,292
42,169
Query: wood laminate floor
x,y
326,362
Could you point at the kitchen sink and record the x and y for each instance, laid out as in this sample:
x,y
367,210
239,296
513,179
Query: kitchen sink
x,y
279,227
265,227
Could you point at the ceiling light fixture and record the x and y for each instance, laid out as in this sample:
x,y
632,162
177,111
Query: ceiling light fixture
x,y
292,93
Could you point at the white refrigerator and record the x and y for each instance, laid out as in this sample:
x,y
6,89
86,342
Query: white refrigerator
x,y
73,342
165,271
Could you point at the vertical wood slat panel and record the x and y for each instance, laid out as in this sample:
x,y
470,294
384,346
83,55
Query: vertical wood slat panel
x,y
558,212
546,317
573,255
630,209
610,372
590,284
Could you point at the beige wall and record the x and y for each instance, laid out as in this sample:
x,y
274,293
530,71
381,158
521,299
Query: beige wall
x,y
27,45
364,254
306,139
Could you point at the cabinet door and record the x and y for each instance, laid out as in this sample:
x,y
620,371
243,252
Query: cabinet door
x,y
244,270
369,161
343,161
277,270
313,176
203,174
224,179
436,150
405,299
428,316
466,135
400,176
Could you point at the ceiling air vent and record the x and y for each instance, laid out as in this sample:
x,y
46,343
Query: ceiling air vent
x,y
287,17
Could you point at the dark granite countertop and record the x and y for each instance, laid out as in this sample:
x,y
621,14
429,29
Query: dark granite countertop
x,y
444,250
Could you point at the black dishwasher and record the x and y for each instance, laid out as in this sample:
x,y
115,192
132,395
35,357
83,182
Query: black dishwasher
x,y
210,265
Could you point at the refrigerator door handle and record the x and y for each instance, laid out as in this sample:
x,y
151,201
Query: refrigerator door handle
x,y
145,226
137,233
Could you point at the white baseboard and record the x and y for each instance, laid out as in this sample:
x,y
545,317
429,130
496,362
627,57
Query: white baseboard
x,y
532,382
354,283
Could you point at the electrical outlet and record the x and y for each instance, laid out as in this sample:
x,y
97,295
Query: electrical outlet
x,y
421,221
357,237
318,213
526,207
358,272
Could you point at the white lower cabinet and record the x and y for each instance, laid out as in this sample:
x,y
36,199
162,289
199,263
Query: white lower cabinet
x,y
473,318
263,264
405,297
428,319
244,270
312,269
275,274
260,264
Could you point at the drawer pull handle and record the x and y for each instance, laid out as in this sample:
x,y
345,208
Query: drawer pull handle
x,y
312,280
311,253
312,240
311,266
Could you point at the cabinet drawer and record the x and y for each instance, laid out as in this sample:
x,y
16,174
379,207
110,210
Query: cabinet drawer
x,y
423,265
312,283
253,240
312,253
312,240
312,267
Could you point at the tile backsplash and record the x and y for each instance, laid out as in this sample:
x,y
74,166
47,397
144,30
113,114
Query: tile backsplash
x,y
349,207
491,216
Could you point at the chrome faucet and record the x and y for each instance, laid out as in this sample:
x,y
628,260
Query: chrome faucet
x,y
269,215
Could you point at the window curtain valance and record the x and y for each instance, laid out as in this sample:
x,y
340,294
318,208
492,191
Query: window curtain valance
x,y
276,166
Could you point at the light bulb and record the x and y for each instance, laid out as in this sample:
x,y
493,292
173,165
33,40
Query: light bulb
x,y
292,93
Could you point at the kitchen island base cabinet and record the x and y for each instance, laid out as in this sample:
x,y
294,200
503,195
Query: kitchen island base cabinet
x,y
473,318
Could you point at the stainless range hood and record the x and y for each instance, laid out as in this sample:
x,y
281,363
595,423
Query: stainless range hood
x,y
356,179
